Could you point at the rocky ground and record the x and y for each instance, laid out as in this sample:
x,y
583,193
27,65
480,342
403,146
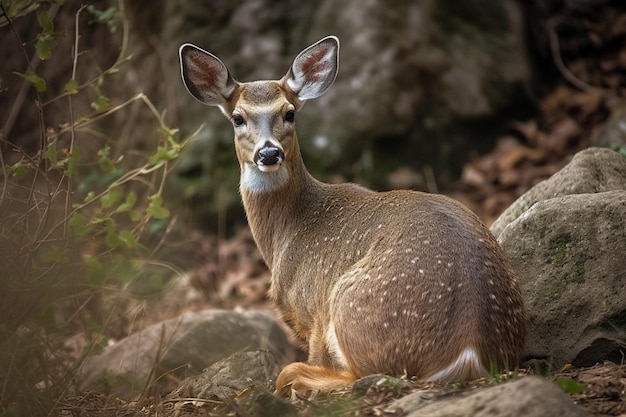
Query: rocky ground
x,y
600,390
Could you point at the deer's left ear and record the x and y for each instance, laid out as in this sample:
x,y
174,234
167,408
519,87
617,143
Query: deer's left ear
x,y
314,69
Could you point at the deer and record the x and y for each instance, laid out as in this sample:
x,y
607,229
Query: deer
x,y
398,282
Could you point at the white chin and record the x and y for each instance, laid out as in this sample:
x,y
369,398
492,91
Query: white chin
x,y
269,168
255,180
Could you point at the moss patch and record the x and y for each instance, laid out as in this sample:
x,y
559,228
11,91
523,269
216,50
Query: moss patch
x,y
558,248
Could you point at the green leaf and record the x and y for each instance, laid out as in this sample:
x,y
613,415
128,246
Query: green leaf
x,y
135,215
83,226
72,162
127,205
45,22
104,161
79,224
107,16
19,170
51,153
95,270
101,104
45,40
570,386
91,195
38,82
121,239
156,209
55,254
160,155
112,238
44,47
110,197
128,239
71,87
21,8
158,226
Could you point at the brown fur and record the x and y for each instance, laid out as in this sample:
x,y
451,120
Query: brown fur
x,y
301,377
399,282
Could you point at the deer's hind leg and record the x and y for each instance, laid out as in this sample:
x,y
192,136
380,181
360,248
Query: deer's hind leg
x,y
302,378
327,368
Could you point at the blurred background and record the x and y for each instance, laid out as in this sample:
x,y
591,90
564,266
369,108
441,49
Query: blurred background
x,y
117,187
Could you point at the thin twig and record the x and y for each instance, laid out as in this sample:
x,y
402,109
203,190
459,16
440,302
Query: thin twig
x,y
33,63
192,399
555,49
70,102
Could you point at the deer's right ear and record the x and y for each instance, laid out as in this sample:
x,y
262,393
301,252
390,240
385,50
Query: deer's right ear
x,y
205,76
314,69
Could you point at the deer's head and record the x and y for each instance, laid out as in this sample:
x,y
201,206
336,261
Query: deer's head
x,y
262,112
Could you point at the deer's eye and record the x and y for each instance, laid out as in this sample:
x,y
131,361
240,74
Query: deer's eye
x,y
238,120
290,116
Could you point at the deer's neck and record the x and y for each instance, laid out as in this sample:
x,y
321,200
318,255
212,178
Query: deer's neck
x,y
274,201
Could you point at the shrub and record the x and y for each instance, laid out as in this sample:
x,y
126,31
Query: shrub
x,y
81,216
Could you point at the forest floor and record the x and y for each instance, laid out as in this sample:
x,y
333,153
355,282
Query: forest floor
x,y
600,390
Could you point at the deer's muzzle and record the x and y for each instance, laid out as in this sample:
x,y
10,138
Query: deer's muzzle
x,y
269,158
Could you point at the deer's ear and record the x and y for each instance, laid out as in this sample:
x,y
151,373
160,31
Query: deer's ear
x,y
314,69
205,76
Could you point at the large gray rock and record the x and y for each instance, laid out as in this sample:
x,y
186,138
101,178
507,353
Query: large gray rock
x,y
244,379
592,170
526,397
570,255
229,376
428,58
180,347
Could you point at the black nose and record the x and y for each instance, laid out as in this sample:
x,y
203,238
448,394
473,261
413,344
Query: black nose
x,y
270,155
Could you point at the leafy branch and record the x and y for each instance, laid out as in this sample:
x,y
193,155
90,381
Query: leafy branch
x,y
79,219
